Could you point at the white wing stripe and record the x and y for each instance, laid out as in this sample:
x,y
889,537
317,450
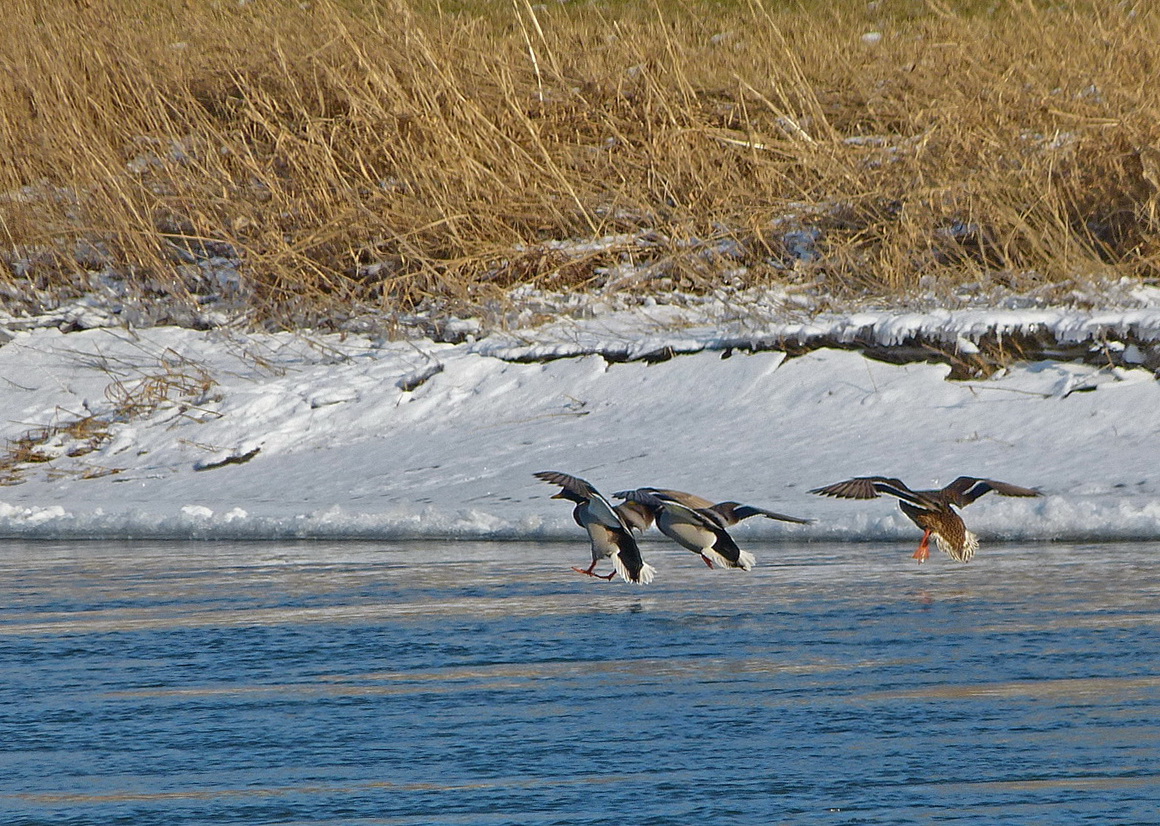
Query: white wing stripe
x,y
901,493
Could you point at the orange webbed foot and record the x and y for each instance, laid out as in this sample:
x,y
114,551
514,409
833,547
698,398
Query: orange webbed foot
x,y
589,571
923,552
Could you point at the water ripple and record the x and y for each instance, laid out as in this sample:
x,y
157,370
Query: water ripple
x,y
484,683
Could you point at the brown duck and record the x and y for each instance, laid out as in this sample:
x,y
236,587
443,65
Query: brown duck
x,y
932,510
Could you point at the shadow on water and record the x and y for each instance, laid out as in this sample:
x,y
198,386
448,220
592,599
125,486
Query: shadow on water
x,y
476,683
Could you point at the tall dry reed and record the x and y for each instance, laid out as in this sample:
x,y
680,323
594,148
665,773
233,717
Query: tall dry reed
x,y
381,154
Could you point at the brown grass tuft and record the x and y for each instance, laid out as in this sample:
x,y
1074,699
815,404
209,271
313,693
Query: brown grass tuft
x,y
173,381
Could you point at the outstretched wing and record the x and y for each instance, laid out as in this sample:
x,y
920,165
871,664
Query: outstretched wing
x,y
966,489
870,487
568,482
599,508
734,513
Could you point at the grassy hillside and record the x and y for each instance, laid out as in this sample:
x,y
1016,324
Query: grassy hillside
x,y
393,155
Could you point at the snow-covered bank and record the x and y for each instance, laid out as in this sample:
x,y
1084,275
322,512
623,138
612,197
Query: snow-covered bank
x,y
214,434
1125,336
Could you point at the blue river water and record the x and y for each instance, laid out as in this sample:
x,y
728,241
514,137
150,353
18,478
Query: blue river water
x,y
486,683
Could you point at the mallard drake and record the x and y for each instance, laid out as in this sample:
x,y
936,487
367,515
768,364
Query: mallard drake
x,y
932,510
609,527
700,525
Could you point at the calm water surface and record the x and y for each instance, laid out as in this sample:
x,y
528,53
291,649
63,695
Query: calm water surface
x,y
476,683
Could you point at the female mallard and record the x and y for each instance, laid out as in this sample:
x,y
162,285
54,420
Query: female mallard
x,y
932,510
699,525
608,527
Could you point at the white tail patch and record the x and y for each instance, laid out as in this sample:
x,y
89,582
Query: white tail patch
x,y
963,554
716,558
647,572
745,562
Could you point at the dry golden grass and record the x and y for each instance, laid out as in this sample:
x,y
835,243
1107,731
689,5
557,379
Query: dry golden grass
x,y
355,153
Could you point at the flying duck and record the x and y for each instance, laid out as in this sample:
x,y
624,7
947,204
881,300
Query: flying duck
x,y
609,527
932,510
699,525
